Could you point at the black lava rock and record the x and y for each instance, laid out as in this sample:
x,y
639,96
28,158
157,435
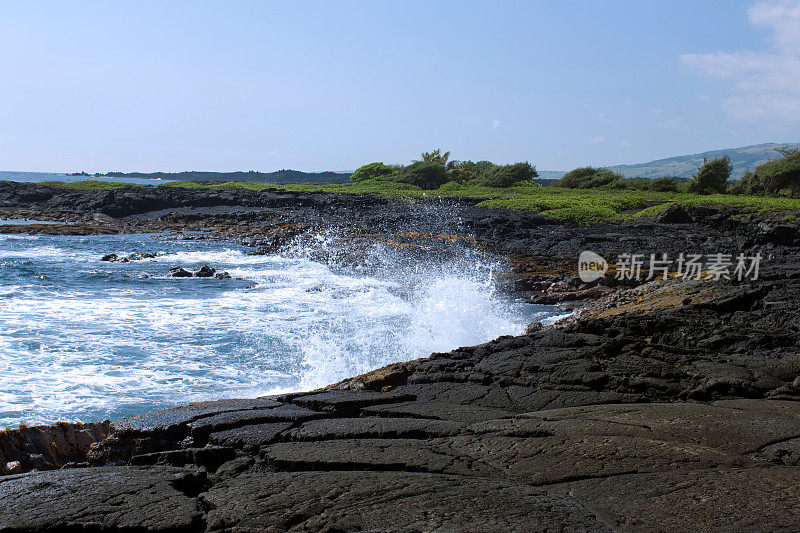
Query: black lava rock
x,y
204,271
179,272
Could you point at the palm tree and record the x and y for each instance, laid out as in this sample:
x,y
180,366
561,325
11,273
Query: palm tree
x,y
436,157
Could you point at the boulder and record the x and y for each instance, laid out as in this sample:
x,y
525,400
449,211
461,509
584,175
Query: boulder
x,y
674,214
138,256
179,272
204,271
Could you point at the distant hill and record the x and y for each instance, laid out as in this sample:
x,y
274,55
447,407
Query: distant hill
x,y
279,176
684,166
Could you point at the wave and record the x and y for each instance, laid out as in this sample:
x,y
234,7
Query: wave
x,y
86,340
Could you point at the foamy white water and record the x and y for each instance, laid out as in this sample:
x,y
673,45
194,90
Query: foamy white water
x,y
83,340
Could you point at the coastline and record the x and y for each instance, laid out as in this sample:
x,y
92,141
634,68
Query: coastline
x,y
681,391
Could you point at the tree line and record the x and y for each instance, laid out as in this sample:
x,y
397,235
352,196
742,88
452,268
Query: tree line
x,y
779,177
435,168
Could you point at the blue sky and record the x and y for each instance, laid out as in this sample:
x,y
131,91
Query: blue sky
x,y
263,85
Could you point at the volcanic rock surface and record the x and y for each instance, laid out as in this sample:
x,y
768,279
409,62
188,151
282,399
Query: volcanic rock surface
x,y
666,406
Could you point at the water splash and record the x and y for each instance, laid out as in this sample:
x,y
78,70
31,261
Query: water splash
x,y
82,339
441,294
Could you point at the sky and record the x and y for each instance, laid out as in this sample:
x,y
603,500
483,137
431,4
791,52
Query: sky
x,y
265,85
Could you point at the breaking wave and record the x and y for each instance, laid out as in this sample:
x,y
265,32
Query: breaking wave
x,y
82,339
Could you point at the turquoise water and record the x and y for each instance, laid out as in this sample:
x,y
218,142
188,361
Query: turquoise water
x,y
83,339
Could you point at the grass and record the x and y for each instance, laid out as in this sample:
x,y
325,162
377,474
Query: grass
x,y
587,206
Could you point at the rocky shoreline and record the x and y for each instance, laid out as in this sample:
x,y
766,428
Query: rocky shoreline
x,y
661,406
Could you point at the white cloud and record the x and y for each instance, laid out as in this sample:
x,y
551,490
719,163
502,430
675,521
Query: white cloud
x,y
495,124
783,17
625,143
602,117
596,140
765,85
657,111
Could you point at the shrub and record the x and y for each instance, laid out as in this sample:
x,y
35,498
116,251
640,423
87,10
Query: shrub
x,y
508,175
436,157
424,175
589,178
664,184
575,179
778,175
712,177
464,171
452,186
747,184
632,184
372,171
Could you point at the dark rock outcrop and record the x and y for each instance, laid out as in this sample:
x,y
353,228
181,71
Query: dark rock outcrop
x,y
666,406
579,427
48,447
205,271
153,498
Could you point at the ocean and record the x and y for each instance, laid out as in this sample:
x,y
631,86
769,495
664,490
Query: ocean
x,y
85,340
36,177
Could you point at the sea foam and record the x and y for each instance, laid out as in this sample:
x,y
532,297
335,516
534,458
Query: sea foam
x,y
83,340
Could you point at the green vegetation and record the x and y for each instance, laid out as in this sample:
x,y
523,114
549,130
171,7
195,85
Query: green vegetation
x,y
664,184
589,178
436,157
466,171
586,194
509,175
423,174
587,206
582,205
712,177
372,171
596,178
435,168
779,177
743,159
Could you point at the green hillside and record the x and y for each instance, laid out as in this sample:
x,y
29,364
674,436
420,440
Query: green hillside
x,y
743,158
